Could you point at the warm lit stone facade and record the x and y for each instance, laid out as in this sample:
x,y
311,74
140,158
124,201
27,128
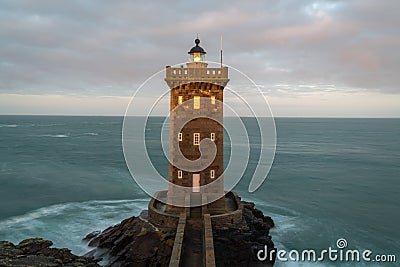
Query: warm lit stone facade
x,y
195,88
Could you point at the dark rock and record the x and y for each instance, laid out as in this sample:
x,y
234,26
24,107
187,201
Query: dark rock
x,y
32,246
90,236
239,247
136,242
37,252
268,220
133,242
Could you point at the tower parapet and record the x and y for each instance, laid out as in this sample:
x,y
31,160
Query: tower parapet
x,y
196,73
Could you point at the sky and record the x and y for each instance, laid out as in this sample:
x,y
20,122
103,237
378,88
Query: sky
x,y
309,58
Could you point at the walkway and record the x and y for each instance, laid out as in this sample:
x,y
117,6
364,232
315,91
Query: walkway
x,y
194,246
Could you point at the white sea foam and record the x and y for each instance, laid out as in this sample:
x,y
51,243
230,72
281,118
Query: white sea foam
x,y
93,134
49,124
54,135
8,125
66,224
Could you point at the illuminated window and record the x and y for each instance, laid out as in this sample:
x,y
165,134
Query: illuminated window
x,y
179,174
213,99
196,139
212,136
212,174
180,99
180,136
196,103
196,57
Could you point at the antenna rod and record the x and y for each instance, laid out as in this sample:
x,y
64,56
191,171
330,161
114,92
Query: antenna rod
x,y
221,50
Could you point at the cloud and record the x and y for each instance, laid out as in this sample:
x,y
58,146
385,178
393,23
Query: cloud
x,y
110,47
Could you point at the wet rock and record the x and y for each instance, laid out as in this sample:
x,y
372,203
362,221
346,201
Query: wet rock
x,y
90,236
239,247
37,252
136,242
32,246
133,242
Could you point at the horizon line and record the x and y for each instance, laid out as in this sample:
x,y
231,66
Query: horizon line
x,y
155,116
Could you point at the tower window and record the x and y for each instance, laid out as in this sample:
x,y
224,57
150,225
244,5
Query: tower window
x,y
212,136
212,174
196,139
180,99
196,103
213,99
179,136
179,174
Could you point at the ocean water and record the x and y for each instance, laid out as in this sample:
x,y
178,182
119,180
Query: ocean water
x,y
63,177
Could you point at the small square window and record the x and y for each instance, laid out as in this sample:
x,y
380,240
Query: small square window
x,y
213,99
196,103
179,136
179,174
180,99
212,174
212,136
196,139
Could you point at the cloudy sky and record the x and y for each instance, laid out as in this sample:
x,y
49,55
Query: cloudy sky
x,y
310,58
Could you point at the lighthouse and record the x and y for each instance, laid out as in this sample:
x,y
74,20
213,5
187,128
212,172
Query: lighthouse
x,y
194,203
196,114
196,147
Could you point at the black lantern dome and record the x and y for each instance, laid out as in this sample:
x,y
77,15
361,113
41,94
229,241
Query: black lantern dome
x,y
197,53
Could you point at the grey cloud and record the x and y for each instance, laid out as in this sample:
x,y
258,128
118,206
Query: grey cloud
x,y
109,47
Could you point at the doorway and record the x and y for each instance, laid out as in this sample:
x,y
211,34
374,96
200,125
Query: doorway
x,y
196,182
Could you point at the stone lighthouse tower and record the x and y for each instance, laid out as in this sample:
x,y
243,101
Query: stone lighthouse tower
x,y
195,203
196,108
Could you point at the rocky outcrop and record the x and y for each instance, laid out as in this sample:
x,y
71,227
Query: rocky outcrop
x,y
238,246
37,252
136,242
133,242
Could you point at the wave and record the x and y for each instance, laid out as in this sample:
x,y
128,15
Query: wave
x,y
68,135
66,224
31,125
93,134
54,135
47,124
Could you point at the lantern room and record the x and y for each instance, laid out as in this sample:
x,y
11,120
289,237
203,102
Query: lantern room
x,y
197,53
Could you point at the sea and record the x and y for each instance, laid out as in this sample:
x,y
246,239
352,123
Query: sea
x,y
62,177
